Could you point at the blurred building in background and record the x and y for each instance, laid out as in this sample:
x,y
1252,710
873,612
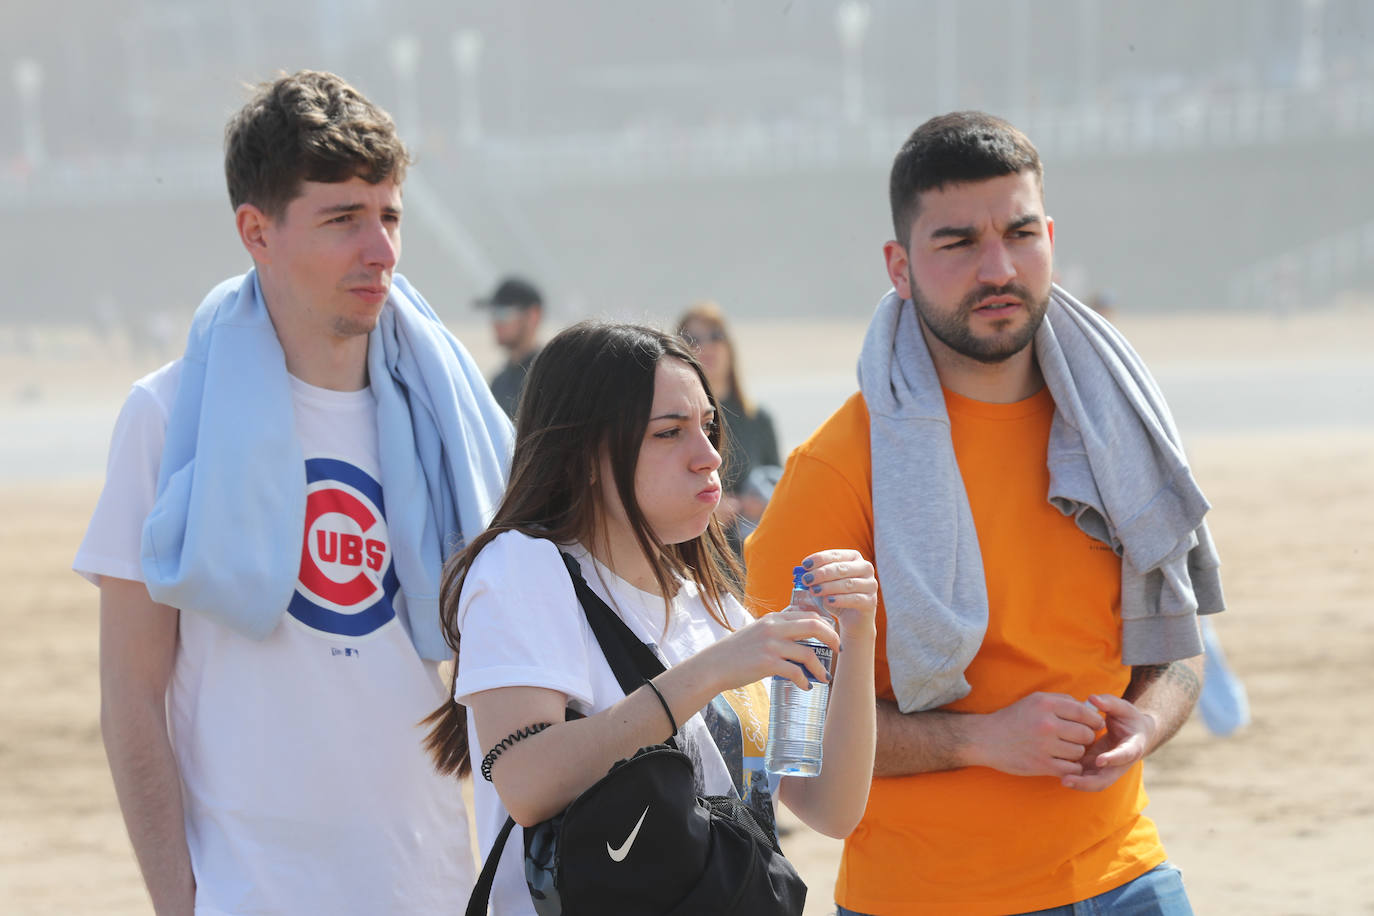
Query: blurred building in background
x,y
639,156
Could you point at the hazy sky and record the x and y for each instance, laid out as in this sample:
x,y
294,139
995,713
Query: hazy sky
x,y
634,156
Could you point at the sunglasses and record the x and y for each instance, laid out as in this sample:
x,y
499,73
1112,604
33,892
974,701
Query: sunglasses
x,y
504,312
695,342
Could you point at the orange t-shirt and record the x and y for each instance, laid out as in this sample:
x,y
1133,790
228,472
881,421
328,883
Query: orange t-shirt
x,y
974,840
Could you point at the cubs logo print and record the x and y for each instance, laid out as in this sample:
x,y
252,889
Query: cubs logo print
x,y
347,582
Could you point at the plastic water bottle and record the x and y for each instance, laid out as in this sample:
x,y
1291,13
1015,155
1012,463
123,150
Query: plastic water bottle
x,y
796,717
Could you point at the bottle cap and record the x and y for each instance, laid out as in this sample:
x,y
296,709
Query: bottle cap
x,y
797,573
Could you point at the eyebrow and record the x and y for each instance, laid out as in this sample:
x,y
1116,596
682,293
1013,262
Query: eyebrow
x,y
964,232
710,412
338,209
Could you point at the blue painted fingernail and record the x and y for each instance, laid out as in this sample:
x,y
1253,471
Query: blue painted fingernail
x,y
808,577
816,589
806,564
830,600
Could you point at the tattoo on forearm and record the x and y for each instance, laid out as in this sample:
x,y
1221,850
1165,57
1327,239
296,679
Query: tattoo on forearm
x,y
1175,688
1175,674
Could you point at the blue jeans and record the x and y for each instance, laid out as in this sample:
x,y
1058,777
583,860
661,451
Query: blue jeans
x,y
1158,892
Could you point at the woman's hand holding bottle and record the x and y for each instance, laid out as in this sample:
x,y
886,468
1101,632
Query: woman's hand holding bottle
x,y
843,583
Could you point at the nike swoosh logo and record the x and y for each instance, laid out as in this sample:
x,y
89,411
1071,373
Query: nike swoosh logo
x,y
618,855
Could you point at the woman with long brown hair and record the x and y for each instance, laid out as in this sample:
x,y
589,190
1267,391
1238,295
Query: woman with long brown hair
x,y
753,440
617,463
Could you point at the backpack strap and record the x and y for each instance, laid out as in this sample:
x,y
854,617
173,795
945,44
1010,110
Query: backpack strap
x,y
481,891
631,661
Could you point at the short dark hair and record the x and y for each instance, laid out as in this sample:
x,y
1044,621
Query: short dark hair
x,y
589,393
309,126
954,148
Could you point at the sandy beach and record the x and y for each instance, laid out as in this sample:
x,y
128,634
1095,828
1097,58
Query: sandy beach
x,y
1276,820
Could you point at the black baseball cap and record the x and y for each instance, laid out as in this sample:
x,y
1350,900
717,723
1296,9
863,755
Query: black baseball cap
x,y
512,291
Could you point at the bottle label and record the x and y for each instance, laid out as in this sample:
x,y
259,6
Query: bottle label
x,y
824,653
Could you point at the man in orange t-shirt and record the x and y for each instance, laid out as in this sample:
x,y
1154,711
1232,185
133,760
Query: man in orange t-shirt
x,y
1024,792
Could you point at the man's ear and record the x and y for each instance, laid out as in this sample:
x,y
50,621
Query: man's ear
x,y
253,226
898,267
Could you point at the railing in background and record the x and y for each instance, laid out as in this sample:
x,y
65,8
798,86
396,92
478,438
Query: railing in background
x,y
1307,275
126,179
1171,123
1176,123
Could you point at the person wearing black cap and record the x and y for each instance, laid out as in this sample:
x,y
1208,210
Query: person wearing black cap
x,y
516,310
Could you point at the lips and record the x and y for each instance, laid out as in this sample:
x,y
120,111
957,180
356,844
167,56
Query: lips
x,y
710,494
998,303
372,294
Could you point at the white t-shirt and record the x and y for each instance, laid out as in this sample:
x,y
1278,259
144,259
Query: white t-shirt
x,y
306,787
522,626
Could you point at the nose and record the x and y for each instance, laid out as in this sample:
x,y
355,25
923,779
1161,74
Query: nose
x,y
995,266
382,246
705,458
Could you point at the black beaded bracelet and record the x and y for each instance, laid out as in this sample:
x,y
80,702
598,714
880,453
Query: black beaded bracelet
x,y
509,741
671,720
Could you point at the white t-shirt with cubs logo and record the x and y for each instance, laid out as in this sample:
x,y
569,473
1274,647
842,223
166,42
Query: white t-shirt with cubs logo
x,y
306,787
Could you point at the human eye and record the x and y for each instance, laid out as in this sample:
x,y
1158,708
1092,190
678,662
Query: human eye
x,y
710,427
670,432
953,246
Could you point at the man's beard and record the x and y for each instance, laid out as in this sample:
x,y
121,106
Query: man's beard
x,y
353,327
955,330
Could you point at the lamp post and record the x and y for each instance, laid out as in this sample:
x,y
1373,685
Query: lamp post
x,y
1088,26
946,55
28,83
851,21
1018,72
1310,50
467,56
405,59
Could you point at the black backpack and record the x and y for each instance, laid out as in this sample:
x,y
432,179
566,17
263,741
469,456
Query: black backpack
x,y
640,840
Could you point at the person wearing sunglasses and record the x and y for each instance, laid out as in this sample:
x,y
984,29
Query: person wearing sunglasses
x,y
754,461
516,308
